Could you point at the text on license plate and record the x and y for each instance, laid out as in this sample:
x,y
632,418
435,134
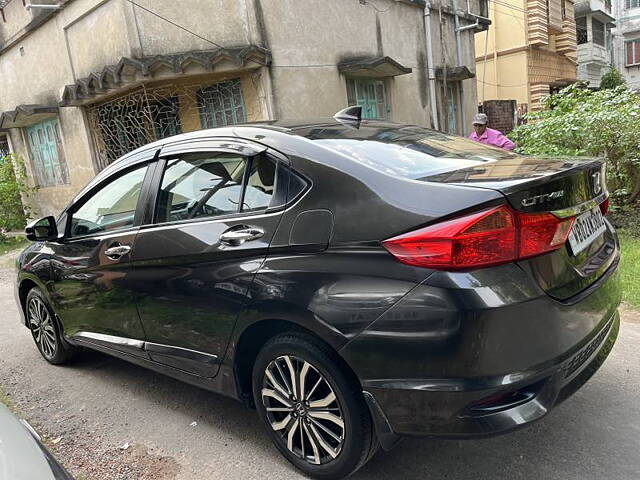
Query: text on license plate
x,y
587,227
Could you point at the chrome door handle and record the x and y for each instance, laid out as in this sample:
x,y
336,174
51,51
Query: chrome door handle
x,y
116,251
238,237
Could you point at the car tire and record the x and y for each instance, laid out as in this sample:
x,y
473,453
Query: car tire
x,y
45,329
327,397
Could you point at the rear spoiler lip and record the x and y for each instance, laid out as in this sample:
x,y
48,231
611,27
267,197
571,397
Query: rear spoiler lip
x,y
508,186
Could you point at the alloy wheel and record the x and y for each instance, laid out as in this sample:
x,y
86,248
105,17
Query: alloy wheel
x,y
41,325
303,409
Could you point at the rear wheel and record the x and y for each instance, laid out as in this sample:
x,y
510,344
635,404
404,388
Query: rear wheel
x,y
45,329
314,412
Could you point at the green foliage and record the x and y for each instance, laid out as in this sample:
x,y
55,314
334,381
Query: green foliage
x,y
630,269
12,184
612,79
578,121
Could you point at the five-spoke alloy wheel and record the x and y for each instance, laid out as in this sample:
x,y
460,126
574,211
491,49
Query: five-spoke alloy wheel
x,y
312,406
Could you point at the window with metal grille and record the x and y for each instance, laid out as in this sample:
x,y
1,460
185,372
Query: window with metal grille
x,y
221,104
629,4
632,51
597,28
581,30
47,154
371,95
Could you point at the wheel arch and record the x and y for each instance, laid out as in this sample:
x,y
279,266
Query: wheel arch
x,y
255,335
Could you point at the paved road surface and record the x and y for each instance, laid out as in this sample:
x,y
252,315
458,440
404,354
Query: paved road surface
x,y
91,410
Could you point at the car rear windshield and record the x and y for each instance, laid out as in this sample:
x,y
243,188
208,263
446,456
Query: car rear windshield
x,y
412,152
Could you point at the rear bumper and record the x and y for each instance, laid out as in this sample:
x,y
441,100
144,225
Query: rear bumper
x,y
476,356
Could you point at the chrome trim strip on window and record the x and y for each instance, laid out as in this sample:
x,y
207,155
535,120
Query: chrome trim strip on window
x,y
112,339
583,207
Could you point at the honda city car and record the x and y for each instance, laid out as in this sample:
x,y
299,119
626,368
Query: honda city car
x,y
354,281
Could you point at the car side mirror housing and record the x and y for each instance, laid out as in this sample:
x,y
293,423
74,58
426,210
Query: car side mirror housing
x,y
42,230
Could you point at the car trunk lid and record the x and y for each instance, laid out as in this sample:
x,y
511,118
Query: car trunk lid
x,y
567,187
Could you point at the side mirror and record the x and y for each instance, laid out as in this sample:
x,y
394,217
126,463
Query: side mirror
x,y
42,230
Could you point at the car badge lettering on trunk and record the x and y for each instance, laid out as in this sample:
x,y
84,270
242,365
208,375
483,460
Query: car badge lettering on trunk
x,y
545,197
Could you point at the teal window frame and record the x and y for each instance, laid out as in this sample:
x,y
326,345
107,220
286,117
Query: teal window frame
x,y
221,104
47,154
372,95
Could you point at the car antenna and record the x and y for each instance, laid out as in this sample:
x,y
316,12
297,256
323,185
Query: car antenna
x,y
351,116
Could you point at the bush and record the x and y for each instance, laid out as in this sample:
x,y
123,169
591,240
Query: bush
x,y
13,215
579,121
612,79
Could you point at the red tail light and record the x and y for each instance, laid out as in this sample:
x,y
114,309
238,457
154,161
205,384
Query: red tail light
x,y
494,236
604,206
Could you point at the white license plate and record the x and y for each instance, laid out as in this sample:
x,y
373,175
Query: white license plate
x,y
587,227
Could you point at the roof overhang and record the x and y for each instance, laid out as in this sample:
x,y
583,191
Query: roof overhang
x,y
130,72
455,74
373,67
25,115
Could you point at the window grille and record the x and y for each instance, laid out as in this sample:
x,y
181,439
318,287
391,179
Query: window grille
x,y
147,114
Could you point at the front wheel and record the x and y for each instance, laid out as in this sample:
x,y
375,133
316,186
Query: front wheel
x,y
313,410
46,330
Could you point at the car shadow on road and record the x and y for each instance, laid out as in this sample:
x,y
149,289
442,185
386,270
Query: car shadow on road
x,y
561,440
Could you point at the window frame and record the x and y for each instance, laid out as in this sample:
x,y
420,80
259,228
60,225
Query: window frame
x,y
49,127
151,165
218,145
632,43
352,86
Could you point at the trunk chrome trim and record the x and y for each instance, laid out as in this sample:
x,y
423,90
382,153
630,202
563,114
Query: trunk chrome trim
x,y
583,207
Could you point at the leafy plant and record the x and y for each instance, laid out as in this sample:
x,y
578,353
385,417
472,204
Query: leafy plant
x,y
612,79
578,121
13,185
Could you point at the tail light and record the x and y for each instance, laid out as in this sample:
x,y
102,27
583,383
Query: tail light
x,y
490,237
604,206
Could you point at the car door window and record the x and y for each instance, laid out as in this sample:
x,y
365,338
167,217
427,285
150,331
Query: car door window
x,y
113,207
260,185
198,185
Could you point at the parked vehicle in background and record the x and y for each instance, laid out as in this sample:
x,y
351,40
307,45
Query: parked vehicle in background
x,y
22,454
354,281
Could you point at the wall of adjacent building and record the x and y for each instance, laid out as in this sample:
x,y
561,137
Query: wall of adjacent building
x,y
627,28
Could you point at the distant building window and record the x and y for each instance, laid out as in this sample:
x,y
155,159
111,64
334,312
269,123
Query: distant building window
x,y
221,104
47,154
632,53
581,30
598,32
629,4
371,95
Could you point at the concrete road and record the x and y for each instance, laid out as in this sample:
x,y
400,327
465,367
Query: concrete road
x,y
105,418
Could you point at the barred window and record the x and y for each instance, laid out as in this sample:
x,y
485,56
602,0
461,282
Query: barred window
x,y
148,114
598,32
221,104
47,154
581,30
629,4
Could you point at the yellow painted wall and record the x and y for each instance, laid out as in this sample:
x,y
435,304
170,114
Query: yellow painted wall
x,y
503,77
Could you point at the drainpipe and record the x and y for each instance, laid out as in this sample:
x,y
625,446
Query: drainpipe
x,y
456,20
431,73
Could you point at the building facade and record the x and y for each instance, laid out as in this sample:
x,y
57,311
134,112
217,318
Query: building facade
x,y
594,24
528,52
85,81
626,40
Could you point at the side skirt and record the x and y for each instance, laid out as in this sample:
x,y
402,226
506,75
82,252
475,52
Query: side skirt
x,y
142,353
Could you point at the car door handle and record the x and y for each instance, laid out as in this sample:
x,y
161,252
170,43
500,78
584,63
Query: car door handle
x,y
238,237
117,250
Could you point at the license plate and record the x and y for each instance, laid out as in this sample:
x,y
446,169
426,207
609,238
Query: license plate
x,y
587,227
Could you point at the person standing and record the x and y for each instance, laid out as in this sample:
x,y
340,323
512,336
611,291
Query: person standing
x,y
489,136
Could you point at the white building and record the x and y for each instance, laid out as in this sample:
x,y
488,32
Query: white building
x,y
594,24
627,40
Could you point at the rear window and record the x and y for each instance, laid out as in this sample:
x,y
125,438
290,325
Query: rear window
x,y
413,152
